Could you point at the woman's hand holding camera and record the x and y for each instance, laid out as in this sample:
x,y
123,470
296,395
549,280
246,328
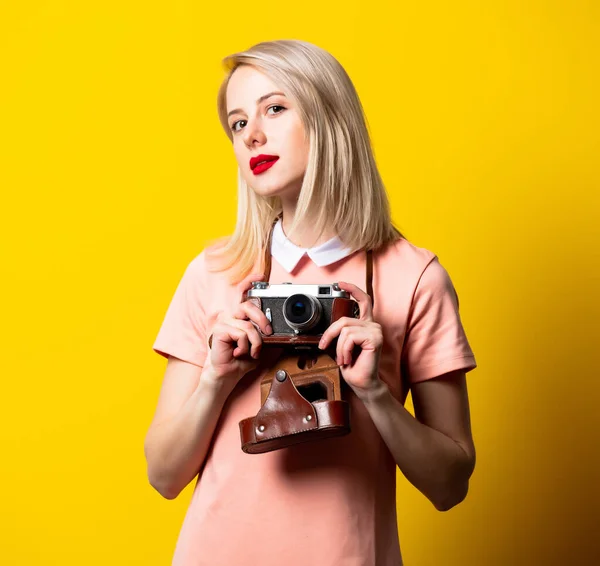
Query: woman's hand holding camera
x,y
361,372
237,343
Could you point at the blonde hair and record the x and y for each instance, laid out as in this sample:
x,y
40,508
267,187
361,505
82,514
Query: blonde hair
x,y
342,188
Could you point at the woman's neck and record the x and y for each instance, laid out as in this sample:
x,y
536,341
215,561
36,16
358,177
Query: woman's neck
x,y
304,236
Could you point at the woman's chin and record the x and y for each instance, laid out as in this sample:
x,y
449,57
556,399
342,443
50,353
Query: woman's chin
x,y
282,191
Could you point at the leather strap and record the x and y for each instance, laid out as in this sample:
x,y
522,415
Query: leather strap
x,y
267,252
369,276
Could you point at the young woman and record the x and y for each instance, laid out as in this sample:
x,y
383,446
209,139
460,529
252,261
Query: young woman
x,y
311,197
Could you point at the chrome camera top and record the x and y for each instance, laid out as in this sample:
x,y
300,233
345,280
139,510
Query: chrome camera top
x,y
281,290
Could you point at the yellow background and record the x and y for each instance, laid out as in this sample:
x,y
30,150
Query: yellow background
x,y
114,173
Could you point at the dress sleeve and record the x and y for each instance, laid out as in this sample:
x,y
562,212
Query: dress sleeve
x,y
183,331
435,341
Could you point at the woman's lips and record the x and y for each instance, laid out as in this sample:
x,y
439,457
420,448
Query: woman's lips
x,y
258,169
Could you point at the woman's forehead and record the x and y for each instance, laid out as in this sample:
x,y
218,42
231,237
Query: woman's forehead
x,y
246,85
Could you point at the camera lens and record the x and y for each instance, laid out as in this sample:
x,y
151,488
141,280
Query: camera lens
x,y
301,312
298,309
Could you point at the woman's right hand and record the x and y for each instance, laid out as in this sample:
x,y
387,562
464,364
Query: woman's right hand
x,y
236,343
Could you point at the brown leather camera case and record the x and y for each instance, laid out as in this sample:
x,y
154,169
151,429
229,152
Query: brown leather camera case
x,y
286,416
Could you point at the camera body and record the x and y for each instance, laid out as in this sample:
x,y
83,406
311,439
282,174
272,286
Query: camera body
x,y
300,313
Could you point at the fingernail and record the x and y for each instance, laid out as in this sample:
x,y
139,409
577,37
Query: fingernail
x,y
269,329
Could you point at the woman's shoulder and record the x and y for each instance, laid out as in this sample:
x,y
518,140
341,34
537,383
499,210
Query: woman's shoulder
x,y
411,267
215,264
403,254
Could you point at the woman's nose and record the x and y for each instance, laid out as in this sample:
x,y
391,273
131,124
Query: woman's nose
x,y
254,134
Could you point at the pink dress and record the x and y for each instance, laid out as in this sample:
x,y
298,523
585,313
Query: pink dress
x,y
327,503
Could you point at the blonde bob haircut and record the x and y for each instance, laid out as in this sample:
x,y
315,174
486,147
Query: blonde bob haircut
x,y
342,188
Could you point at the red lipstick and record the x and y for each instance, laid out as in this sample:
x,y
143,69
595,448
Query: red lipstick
x,y
262,162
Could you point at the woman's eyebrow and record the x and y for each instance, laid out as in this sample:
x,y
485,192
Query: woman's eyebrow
x,y
263,97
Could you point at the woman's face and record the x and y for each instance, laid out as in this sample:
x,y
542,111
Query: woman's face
x,y
264,122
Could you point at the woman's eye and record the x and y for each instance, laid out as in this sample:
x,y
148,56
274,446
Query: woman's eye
x,y
233,126
276,106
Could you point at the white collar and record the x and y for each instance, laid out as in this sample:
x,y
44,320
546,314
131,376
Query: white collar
x,y
289,254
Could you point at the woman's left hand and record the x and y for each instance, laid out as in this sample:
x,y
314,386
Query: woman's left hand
x,y
361,372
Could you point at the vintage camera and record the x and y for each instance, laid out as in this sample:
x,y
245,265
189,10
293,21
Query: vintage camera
x,y
300,313
301,394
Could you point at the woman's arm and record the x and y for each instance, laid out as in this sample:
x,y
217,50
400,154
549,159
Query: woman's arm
x,y
435,450
178,438
192,398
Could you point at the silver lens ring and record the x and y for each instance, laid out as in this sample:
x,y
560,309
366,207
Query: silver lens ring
x,y
315,316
